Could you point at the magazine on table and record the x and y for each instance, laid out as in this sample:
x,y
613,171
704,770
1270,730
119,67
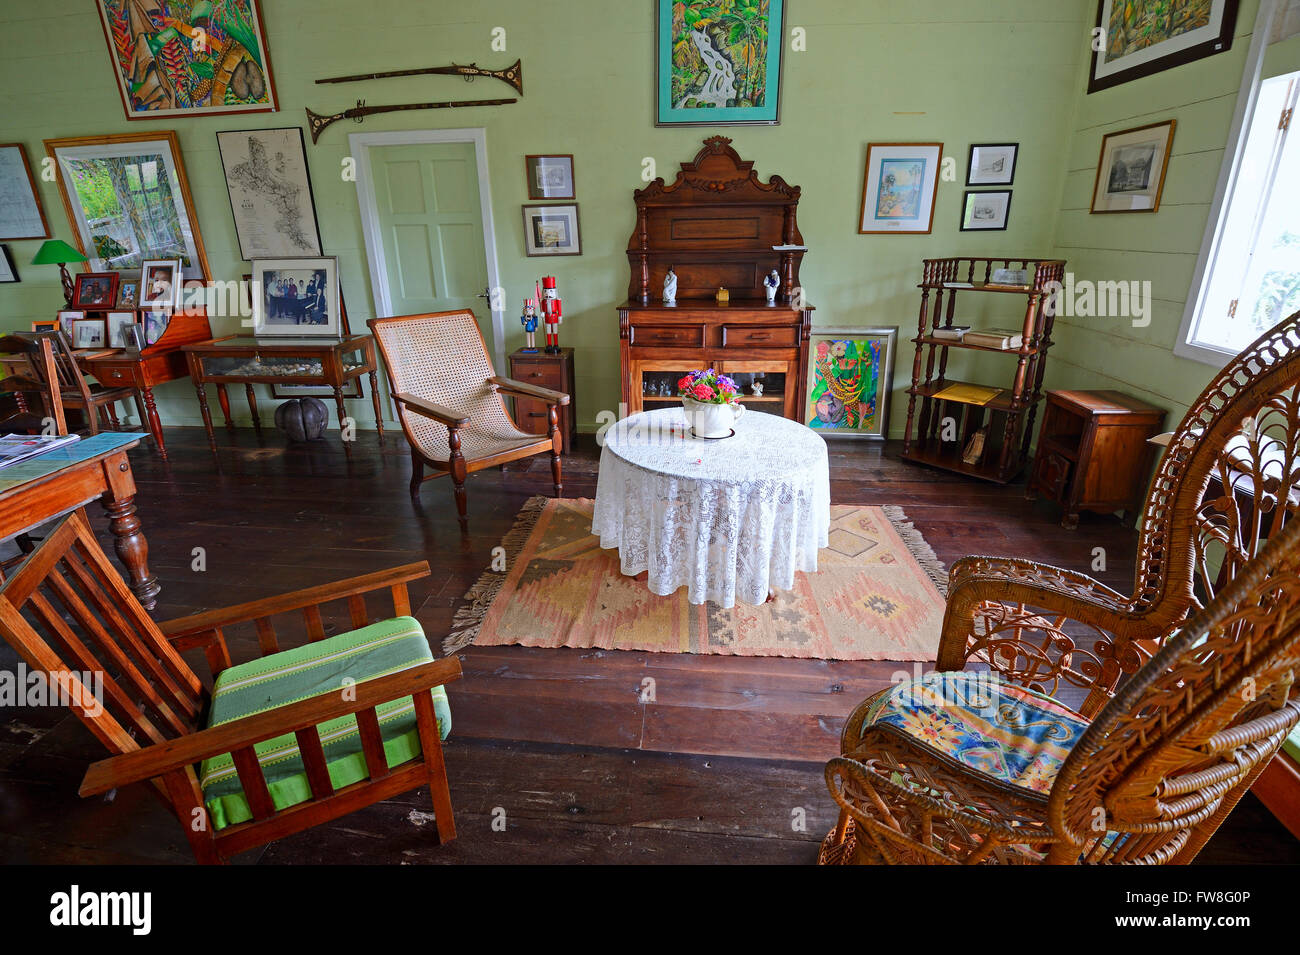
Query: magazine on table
x,y
20,447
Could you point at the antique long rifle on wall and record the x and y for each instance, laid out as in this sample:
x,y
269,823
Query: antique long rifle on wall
x,y
359,112
512,76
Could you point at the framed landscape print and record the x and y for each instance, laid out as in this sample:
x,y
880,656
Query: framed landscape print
x,y
552,230
550,177
986,211
1136,38
21,214
188,57
992,164
297,297
718,62
128,199
898,187
94,289
270,192
850,376
1131,169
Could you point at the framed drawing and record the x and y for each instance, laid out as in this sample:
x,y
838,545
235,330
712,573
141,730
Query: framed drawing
x,y
898,187
188,57
160,283
67,319
850,375
1131,169
155,324
550,177
986,211
118,323
21,214
128,199
7,271
992,164
88,333
718,62
552,230
297,297
1136,38
270,192
94,289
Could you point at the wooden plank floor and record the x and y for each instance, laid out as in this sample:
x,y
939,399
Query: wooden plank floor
x,y
553,757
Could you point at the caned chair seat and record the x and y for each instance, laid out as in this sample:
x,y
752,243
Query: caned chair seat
x,y
315,669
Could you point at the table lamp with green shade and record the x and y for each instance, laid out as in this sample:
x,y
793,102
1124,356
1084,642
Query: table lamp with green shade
x,y
57,252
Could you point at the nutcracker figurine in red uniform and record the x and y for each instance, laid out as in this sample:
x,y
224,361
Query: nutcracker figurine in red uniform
x,y
551,314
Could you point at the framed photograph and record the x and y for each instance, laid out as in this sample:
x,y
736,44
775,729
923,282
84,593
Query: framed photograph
x,y
718,62
552,230
160,283
188,57
43,325
128,294
898,187
992,164
21,214
1136,38
297,297
550,177
155,324
118,323
95,289
850,376
67,319
128,198
1131,169
7,271
134,339
270,192
986,211
88,333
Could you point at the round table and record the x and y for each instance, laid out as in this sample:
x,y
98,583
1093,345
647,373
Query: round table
x,y
729,519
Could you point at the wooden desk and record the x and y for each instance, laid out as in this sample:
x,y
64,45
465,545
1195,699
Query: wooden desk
x,y
96,468
117,369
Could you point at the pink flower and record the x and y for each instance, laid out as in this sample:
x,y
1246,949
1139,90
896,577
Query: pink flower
x,y
702,392
685,384
823,349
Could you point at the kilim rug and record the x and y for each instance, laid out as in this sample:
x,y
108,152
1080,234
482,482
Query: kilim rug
x,y
877,595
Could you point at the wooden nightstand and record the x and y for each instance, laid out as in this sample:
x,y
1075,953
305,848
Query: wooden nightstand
x,y
549,371
1093,453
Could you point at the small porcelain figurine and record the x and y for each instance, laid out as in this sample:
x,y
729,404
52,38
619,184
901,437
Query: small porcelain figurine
x,y
529,320
771,282
756,389
670,287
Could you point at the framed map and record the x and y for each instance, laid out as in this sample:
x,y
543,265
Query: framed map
x,y
270,192
21,214
1136,38
850,376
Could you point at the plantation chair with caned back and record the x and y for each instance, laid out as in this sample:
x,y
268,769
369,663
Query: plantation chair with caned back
x,y
449,401
1228,481
280,744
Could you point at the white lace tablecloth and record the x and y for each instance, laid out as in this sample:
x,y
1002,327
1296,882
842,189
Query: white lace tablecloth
x,y
728,519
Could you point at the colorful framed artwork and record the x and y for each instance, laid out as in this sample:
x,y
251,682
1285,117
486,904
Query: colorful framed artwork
x,y
550,177
552,230
160,283
7,271
118,323
986,211
67,319
155,324
88,333
992,164
128,199
898,188
297,297
718,62
128,294
1131,169
270,192
21,214
850,377
94,289
188,57
1137,38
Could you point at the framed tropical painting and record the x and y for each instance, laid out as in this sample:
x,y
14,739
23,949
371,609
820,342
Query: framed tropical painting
x,y
188,57
1136,38
718,62
898,187
850,376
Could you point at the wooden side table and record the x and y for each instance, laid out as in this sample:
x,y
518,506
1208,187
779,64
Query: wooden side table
x,y
549,371
1093,453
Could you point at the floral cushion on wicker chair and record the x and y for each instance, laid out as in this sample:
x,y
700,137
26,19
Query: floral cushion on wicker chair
x,y
1000,729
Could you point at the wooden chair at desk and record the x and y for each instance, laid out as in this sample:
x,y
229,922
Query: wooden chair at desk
x,y
36,356
95,401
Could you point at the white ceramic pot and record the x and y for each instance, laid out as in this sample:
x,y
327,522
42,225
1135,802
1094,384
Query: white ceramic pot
x,y
711,420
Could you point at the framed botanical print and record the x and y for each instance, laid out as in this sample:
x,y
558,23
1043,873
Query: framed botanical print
x,y
899,186
992,164
160,283
188,57
552,230
7,271
94,289
21,214
718,62
297,297
1131,169
128,199
850,376
270,192
550,177
1136,38
986,211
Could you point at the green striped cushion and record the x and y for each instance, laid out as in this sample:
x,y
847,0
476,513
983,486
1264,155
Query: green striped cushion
x,y
1291,745
307,671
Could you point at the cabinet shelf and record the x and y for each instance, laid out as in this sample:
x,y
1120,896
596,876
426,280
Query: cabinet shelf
x,y
953,343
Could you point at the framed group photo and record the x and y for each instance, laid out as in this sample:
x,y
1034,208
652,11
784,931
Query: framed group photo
x,y
898,187
297,297
95,289
552,230
850,376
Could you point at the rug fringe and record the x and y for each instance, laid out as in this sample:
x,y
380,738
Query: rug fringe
x,y
918,547
470,616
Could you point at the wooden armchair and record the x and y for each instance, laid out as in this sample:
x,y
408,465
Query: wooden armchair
x,y
280,744
449,400
22,356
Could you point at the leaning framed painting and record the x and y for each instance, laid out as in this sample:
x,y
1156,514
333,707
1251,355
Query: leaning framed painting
x,y
188,57
718,62
850,376
1137,38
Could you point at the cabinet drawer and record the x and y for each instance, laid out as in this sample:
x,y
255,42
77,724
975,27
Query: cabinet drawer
x,y
548,374
686,336
532,416
114,374
759,336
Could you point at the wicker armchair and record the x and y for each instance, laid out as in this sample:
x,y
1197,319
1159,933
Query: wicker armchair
x,y
449,400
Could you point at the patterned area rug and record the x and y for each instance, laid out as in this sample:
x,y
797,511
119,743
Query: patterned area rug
x,y
877,595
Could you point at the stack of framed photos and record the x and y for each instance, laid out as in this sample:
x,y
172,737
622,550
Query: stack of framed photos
x,y
121,309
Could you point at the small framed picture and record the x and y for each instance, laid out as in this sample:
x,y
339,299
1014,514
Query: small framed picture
x,y
550,177
850,377
992,164
88,333
986,211
134,338
160,283
1131,169
67,319
95,290
155,324
117,323
898,187
7,271
552,230
128,294
45,326
297,297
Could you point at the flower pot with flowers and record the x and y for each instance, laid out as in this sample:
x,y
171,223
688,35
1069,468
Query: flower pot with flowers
x,y
710,402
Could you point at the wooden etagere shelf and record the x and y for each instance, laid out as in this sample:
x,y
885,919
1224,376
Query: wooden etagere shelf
x,y
1007,419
